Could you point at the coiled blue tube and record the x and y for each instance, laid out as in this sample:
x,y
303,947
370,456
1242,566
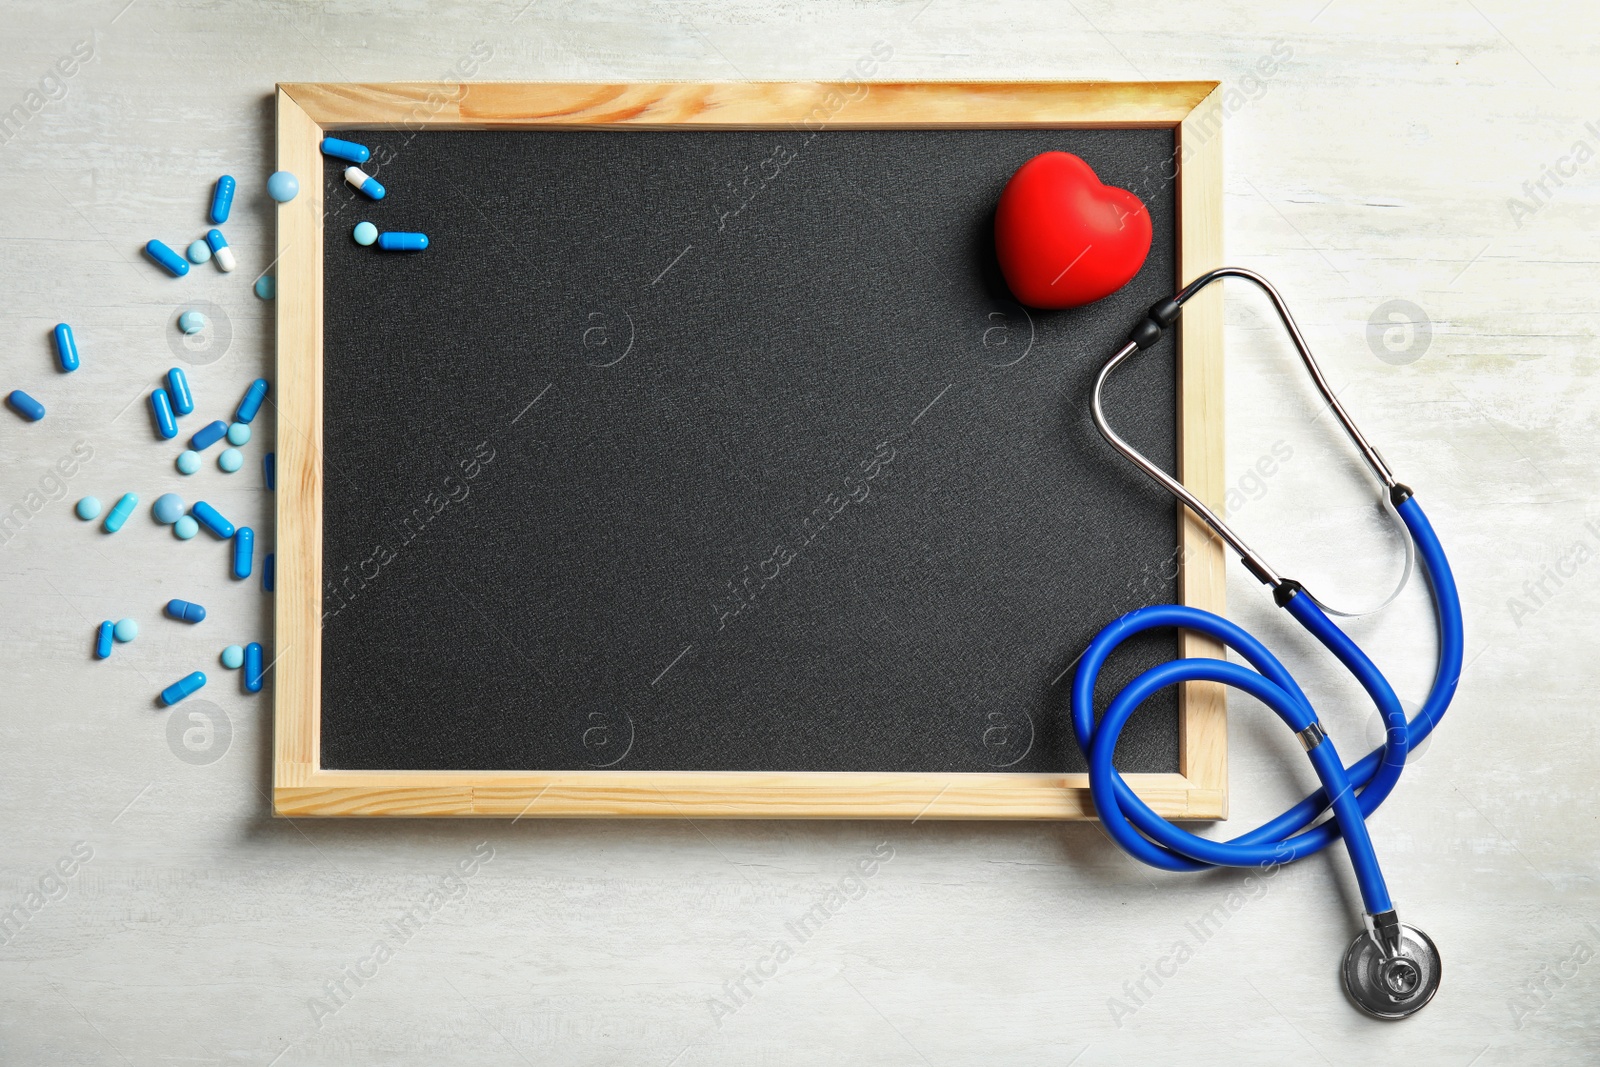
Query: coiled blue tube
x,y
1356,790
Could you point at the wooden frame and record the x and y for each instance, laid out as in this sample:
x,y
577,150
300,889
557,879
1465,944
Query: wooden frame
x,y
304,111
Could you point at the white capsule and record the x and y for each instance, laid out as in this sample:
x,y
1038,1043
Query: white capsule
x,y
220,251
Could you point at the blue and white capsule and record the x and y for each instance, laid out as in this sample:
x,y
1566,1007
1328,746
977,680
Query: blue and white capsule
x,y
252,667
185,686
244,548
364,182
348,151
66,347
222,200
402,242
178,391
185,611
161,405
175,264
211,519
250,404
220,251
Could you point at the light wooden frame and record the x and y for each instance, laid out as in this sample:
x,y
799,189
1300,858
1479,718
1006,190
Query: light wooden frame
x,y
301,787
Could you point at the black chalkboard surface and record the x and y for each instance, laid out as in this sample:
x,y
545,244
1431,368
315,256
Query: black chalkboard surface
x,y
727,450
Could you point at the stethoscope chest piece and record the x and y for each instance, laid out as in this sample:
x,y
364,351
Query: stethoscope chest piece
x,y
1392,985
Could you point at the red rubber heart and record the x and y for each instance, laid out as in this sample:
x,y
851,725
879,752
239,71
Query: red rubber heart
x,y
1064,239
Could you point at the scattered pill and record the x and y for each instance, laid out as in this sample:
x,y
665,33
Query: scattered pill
x,y
219,248
221,201
366,183
230,460
265,287
252,667
403,242
165,256
178,391
161,405
102,643
233,657
188,461
125,630
188,684
239,434
184,611
25,405
269,469
251,402
345,150
88,509
121,512
211,519
198,251
191,322
185,528
244,548
283,186
167,509
365,233
208,435
269,567
66,347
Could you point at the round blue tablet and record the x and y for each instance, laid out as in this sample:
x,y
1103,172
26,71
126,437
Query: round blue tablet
x,y
233,657
88,509
168,508
125,630
191,322
230,460
365,233
283,186
188,461
185,528
266,288
198,252
238,434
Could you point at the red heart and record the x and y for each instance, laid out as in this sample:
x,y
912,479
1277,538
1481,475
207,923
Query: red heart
x,y
1063,238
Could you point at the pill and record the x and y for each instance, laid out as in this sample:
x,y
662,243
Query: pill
x,y
188,461
25,405
283,186
230,460
184,611
265,287
88,509
251,403
185,528
244,547
403,242
198,251
102,642
365,233
211,519
269,568
161,405
66,347
120,513
239,434
365,182
165,256
345,150
178,391
269,469
233,657
125,630
190,683
191,322
168,508
208,435
252,667
222,199
219,248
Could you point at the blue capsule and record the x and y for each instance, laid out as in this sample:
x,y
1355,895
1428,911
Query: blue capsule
x,y
222,199
220,250
366,183
269,569
175,264
345,150
161,404
244,547
185,686
25,405
211,519
178,391
252,667
184,611
402,242
251,404
269,469
102,644
120,513
66,347
208,435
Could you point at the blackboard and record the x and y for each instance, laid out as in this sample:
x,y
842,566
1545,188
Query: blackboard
x,y
727,450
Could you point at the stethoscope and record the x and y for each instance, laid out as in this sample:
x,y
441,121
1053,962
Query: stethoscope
x,y
1391,969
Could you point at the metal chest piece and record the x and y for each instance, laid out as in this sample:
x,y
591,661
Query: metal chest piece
x,y
1392,985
